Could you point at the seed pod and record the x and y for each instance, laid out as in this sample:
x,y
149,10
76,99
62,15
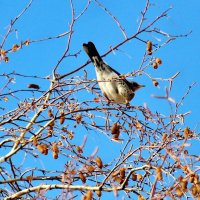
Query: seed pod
x,y
186,132
159,174
50,114
98,192
155,83
185,152
149,52
62,117
196,178
158,61
3,53
140,197
115,137
90,168
149,46
194,190
89,195
198,187
99,162
115,129
50,132
27,42
55,155
78,118
118,179
79,149
29,178
6,59
34,86
192,178
139,177
55,148
43,148
122,172
134,176
184,184
35,141
164,136
15,47
82,177
179,192
155,65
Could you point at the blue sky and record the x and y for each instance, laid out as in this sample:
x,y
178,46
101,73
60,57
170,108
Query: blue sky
x,y
50,18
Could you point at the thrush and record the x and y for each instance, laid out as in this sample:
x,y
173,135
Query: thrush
x,y
113,87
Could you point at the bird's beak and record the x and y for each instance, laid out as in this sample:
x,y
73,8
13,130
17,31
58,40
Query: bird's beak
x,y
140,86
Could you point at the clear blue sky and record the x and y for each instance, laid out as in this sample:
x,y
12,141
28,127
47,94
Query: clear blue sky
x,y
50,18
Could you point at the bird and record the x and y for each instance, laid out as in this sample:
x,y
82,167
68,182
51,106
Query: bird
x,y
113,87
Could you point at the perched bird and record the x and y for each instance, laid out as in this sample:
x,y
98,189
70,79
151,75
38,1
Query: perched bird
x,y
112,86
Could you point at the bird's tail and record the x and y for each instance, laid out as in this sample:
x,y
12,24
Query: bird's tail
x,y
92,52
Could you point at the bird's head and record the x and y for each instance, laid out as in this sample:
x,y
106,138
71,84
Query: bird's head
x,y
136,86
